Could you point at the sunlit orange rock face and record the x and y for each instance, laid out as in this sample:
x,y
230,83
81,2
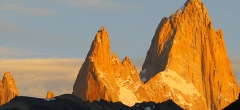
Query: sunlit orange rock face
x,y
106,77
186,62
50,95
103,75
8,89
187,44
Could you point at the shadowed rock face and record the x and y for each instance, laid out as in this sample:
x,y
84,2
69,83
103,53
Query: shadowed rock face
x,y
8,89
71,102
186,62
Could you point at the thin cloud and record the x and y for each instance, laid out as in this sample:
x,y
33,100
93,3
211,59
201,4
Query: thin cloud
x,y
9,27
99,4
34,77
20,53
27,10
6,52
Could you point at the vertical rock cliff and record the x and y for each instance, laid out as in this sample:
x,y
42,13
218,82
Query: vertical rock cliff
x,y
8,88
2,98
91,82
104,76
187,44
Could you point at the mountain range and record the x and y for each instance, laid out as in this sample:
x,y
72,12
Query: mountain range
x,y
186,67
187,62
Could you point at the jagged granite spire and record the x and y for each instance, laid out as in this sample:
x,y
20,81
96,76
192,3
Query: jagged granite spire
x,y
8,88
186,62
187,44
99,75
98,56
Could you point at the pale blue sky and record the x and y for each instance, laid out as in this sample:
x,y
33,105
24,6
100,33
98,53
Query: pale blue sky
x,y
66,28
58,28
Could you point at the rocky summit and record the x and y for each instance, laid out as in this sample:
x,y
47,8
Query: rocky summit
x,y
104,76
187,44
8,88
50,95
187,62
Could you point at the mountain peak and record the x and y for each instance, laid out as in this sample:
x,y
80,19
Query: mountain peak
x,y
7,74
96,66
187,44
115,58
50,95
193,1
185,52
102,28
8,89
102,36
127,60
100,48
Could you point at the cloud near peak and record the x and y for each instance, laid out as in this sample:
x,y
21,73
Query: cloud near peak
x,y
98,4
27,10
34,77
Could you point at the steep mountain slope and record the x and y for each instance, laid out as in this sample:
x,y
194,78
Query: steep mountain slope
x,y
169,85
2,98
187,44
103,76
186,62
8,89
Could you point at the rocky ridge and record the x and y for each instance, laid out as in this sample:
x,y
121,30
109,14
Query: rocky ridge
x,y
115,80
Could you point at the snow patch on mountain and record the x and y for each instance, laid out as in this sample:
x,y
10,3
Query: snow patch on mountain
x,y
126,93
176,82
143,73
175,87
144,79
127,97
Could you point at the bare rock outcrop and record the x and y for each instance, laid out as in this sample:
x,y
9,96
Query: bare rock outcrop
x,y
187,44
104,76
50,95
8,88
